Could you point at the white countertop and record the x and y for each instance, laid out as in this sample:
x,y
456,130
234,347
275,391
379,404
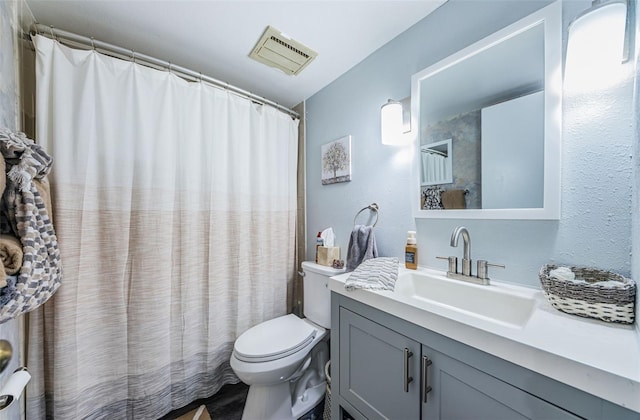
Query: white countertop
x,y
600,358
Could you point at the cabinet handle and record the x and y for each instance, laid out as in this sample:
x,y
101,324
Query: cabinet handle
x,y
407,379
426,362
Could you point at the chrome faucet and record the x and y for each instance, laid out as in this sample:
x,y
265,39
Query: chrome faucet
x,y
466,275
466,242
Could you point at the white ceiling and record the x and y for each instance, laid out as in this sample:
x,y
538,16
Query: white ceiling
x,y
215,37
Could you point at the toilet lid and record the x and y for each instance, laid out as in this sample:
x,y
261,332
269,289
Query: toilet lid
x,y
274,339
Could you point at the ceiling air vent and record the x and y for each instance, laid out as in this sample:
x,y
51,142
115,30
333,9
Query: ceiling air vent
x,y
277,50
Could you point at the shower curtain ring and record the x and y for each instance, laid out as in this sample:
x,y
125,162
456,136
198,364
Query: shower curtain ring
x,y
93,46
200,77
52,34
133,56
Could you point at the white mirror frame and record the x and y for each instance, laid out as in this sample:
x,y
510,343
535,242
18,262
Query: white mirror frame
x,y
551,17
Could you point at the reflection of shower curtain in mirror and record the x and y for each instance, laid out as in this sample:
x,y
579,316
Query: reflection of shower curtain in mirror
x,y
175,208
434,167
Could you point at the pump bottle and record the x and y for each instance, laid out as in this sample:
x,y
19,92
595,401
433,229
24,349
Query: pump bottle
x,y
411,251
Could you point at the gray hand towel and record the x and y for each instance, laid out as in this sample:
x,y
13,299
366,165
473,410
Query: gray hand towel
x,y
362,246
374,274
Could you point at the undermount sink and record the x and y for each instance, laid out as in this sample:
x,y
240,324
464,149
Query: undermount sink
x,y
496,302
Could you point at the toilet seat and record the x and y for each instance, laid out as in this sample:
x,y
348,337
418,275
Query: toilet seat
x,y
274,339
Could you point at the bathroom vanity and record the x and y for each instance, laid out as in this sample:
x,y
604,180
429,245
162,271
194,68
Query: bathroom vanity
x,y
407,354
441,348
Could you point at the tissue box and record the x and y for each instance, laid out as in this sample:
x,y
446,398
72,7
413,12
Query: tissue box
x,y
326,255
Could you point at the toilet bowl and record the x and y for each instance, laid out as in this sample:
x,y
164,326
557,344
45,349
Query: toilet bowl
x,y
282,359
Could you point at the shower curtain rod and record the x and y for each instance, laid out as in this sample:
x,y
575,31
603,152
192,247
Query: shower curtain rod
x,y
74,39
434,152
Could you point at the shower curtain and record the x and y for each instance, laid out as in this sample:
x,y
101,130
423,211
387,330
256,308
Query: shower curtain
x,y
434,168
175,207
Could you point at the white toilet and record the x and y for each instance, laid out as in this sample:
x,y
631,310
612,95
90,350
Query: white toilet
x,y
282,359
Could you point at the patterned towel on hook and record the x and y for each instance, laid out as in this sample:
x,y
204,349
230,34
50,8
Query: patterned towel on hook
x,y
24,215
374,274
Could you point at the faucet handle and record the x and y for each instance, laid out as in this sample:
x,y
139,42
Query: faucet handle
x,y
483,269
453,263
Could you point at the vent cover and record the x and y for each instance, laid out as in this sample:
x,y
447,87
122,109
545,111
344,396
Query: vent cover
x,y
276,50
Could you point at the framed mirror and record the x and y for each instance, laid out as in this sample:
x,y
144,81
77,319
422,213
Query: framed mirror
x,y
494,109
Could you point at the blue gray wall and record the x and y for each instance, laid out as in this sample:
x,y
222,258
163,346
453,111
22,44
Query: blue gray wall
x,y
8,85
9,29
635,208
597,166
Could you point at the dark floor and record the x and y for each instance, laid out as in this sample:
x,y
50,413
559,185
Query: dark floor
x,y
226,404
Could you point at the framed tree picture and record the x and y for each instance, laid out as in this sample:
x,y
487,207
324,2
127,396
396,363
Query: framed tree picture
x,y
336,161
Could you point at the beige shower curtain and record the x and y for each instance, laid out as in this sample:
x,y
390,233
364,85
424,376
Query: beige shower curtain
x,y
175,208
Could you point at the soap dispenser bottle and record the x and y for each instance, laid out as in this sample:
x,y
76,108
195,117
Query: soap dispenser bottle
x,y
411,251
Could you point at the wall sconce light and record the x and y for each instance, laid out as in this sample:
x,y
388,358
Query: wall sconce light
x,y
596,45
395,117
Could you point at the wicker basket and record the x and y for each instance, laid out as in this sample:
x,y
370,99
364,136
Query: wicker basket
x,y
590,299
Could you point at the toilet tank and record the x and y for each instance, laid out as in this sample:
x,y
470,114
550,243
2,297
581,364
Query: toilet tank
x,y
317,296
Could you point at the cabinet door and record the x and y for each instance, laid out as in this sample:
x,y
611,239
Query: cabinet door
x,y
374,369
460,391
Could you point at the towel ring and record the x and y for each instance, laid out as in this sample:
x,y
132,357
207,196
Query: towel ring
x,y
373,207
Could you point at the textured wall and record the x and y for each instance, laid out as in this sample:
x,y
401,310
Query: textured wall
x,y
464,132
8,118
597,166
8,85
635,209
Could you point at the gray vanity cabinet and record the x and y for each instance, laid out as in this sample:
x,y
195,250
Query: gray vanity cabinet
x,y
372,369
380,368
383,374
460,391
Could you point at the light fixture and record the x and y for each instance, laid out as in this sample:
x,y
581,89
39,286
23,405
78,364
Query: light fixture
x,y
596,44
394,122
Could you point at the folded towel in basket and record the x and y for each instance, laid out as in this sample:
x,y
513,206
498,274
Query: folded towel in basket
x,y
562,274
374,274
10,253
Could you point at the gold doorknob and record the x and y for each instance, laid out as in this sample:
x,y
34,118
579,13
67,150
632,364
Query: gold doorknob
x,y
6,351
